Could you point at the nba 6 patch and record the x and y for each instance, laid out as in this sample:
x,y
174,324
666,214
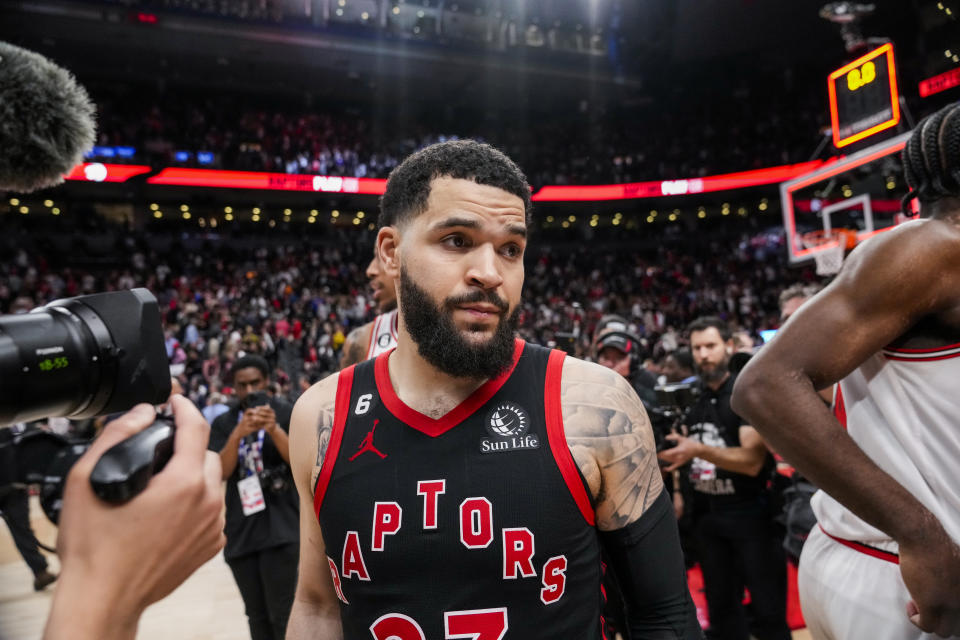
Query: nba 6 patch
x,y
507,425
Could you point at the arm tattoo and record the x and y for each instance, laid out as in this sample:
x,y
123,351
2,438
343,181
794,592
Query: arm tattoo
x,y
324,431
354,350
609,435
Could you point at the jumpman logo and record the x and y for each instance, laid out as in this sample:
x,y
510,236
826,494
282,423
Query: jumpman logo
x,y
367,444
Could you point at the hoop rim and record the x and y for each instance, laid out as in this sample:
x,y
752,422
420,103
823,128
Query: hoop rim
x,y
823,239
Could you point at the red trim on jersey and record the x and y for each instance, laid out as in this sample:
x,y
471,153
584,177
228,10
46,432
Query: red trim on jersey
x,y
340,411
839,408
915,359
863,548
931,350
558,438
431,426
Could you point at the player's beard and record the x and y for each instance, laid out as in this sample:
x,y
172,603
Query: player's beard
x,y
443,345
715,373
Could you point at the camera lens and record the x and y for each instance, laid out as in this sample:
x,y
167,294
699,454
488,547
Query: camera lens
x,y
83,357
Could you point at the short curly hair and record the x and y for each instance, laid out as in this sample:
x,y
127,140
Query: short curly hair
x,y
251,361
408,187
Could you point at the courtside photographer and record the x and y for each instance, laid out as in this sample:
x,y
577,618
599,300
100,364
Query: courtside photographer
x,y
738,544
262,514
129,531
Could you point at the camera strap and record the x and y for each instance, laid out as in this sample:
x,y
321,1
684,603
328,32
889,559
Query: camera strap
x,y
251,493
251,453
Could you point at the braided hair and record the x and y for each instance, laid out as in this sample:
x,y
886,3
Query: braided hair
x,y
931,157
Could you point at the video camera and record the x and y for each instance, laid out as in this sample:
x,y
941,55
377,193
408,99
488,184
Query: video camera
x,y
675,401
78,358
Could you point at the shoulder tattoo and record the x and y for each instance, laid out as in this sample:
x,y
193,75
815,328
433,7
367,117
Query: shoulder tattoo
x,y
609,435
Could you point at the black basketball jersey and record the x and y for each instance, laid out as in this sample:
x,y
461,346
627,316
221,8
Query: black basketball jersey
x,y
474,525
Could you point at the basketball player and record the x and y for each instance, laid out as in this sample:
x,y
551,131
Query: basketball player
x,y
460,486
888,328
379,335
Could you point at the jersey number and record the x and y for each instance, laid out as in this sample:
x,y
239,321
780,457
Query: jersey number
x,y
363,404
476,624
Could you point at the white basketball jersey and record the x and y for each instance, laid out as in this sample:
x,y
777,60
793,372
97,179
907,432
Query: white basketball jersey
x,y
383,337
902,407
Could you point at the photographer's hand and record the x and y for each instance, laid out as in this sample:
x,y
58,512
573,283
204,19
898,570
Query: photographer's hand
x,y
681,453
267,420
228,455
118,559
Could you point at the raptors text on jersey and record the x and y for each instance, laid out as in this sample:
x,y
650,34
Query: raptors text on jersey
x,y
473,525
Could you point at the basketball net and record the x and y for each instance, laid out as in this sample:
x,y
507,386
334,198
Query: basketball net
x,y
830,248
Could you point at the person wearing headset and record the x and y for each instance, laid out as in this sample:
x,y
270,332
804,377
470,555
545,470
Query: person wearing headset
x,y
617,349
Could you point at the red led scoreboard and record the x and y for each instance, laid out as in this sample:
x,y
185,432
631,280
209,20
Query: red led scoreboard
x,y
863,97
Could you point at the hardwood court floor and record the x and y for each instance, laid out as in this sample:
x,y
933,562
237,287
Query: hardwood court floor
x,y
205,607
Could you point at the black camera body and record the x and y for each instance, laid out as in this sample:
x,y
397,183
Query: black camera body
x,y
83,357
254,399
78,358
276,479
677,398
675,401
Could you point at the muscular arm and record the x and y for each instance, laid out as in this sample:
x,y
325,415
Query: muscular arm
x,y
315,613
609,435
875,299
356,345
885,288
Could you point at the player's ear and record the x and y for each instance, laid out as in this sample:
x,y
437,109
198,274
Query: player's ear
x,y
730,346
388,240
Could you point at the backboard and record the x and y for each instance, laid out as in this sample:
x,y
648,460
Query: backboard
x,y
861,192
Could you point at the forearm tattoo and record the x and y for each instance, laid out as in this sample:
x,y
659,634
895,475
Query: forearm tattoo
x,y
609,435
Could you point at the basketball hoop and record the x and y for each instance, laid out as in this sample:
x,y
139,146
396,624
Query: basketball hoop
x,y
829,248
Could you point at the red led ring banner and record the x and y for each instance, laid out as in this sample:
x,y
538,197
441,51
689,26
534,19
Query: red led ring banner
x,y
213,178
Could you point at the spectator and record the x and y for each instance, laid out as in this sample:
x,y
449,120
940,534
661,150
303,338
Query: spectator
x,y
792,298
678,367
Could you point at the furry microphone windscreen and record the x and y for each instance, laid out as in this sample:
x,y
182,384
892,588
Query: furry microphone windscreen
x,y
46,121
